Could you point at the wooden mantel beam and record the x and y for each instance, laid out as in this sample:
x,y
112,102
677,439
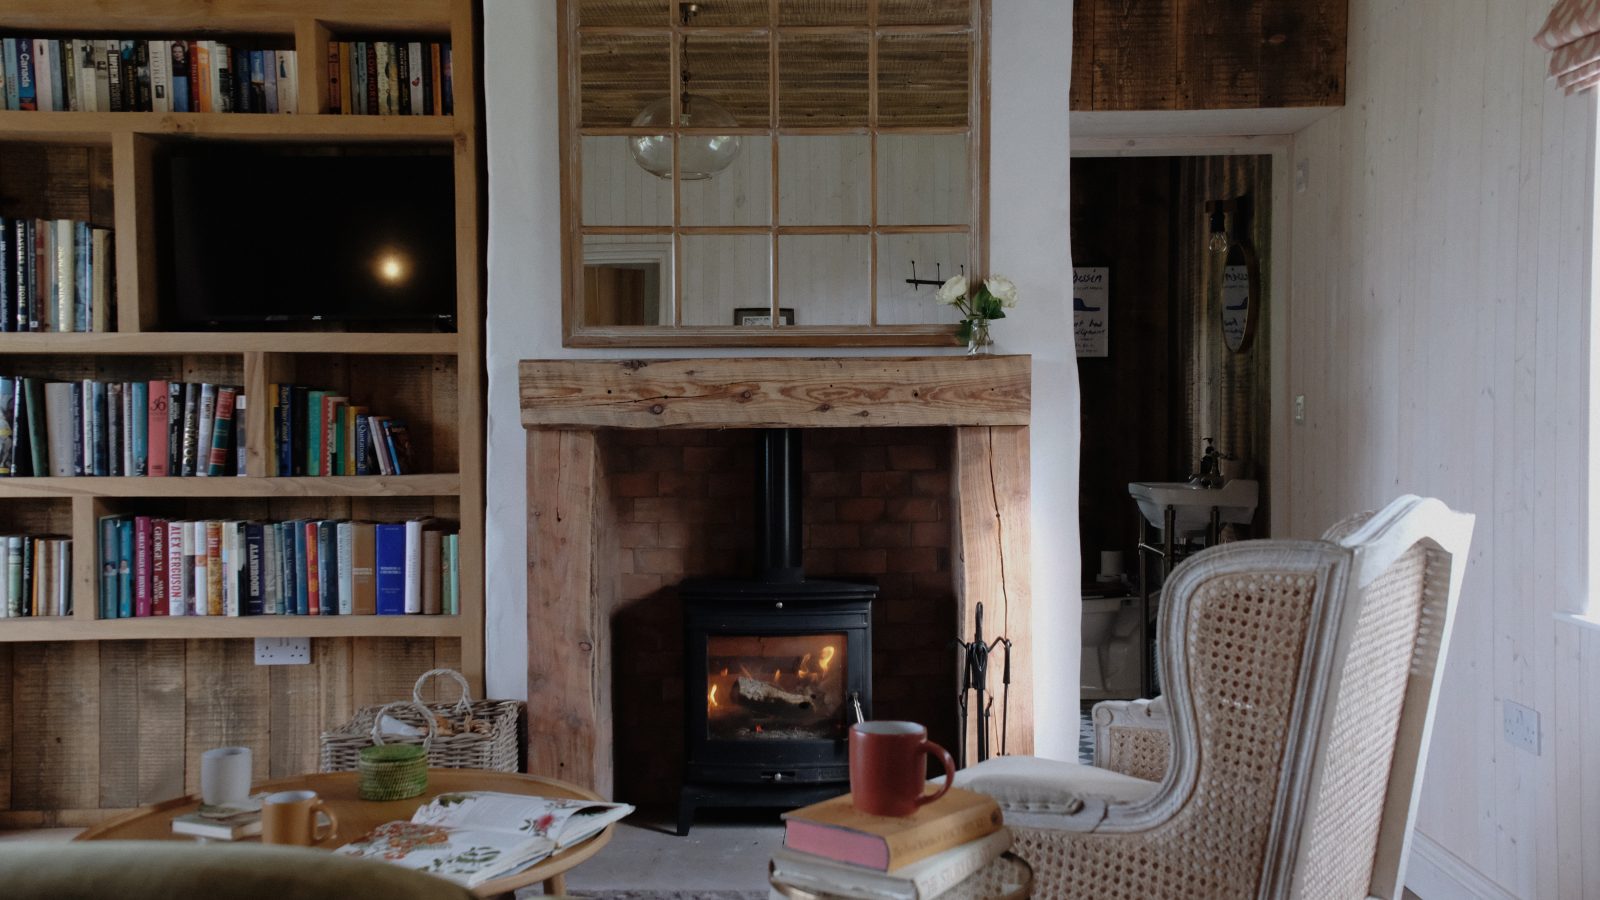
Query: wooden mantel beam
x,y
834,392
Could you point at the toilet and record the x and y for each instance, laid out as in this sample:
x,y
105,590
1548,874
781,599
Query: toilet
x,y
1110,660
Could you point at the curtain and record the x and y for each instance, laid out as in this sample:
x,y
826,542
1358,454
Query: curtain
x,y
1572,34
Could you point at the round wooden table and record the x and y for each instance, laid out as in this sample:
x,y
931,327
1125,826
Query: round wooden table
x,y
357,817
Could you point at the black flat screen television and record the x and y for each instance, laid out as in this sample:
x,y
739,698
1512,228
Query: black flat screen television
x,y
264,237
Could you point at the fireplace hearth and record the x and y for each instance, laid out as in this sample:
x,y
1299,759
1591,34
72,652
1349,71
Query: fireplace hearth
x,y
777,667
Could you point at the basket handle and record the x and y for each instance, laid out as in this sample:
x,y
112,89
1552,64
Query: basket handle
x,y
427,716
463,703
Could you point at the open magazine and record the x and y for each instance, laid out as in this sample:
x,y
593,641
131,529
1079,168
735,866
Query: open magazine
x,y
477,836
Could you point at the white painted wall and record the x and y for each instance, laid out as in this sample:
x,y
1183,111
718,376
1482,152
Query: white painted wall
x,y
1438,322
1029,241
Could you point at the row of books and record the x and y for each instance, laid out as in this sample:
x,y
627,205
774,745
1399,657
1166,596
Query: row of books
x,y
55,275
833,849
35,576
305,567
70,428
320,432
99,75
390,78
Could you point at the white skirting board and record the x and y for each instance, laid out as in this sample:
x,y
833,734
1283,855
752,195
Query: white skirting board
x,y
1434,873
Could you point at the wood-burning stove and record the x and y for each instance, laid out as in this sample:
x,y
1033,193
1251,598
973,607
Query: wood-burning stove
x,y
777,667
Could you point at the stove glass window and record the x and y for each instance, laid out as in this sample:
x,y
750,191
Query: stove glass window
x,y
776,687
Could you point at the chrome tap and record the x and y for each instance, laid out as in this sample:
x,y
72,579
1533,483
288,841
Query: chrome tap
x,y
1210,474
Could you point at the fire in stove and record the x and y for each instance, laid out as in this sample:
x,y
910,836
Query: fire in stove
x,y
802,699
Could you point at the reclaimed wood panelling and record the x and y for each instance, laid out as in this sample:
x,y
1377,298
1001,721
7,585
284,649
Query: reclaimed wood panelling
x,y
161,702
1122,219
842,392
1207,54
569,711
55,716
7,742
88,729
1228,393
1440,332
994,564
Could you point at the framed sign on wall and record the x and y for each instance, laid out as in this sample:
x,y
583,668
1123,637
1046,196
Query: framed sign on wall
x,y
1091,310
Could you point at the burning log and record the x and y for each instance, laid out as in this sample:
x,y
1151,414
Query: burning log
x,y
765,693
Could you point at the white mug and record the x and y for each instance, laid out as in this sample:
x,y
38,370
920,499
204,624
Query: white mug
x,y
224,775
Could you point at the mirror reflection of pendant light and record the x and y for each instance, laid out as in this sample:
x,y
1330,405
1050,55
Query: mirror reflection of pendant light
x,y
700,155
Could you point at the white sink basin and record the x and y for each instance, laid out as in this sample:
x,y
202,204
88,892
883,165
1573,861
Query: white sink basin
x,y
1235,503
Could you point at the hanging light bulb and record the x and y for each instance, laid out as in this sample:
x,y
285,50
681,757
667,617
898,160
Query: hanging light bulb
x,y
700,156
1219,234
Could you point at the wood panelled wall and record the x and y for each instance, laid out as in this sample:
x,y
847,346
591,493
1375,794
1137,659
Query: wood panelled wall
x,y
1226,395
1440,327
1207,54
1122,212
90,728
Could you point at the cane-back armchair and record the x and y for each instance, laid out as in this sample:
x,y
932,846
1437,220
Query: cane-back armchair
x,y
1300,682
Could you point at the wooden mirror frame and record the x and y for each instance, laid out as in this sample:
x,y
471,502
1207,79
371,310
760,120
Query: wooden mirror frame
x,y
577,333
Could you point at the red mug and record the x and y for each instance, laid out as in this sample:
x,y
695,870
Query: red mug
x,y
887,774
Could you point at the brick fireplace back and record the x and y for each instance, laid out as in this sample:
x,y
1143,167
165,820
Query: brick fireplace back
x,y
877,507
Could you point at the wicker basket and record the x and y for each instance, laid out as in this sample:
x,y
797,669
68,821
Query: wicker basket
x,y
469,734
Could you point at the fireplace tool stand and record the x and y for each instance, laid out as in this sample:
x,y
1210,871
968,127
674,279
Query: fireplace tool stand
x,y
975,680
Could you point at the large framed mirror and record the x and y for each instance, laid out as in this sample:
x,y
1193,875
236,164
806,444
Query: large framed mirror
x,y
822,160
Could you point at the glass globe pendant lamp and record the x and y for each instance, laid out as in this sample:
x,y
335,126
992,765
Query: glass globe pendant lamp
x,y
702,155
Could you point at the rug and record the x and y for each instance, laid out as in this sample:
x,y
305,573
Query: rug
x,y
670,895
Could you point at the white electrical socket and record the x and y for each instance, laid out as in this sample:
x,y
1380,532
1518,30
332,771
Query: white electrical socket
x,y
283,651
1299,409
1302,176
1521,726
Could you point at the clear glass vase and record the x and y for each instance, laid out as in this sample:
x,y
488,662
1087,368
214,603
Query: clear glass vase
x,y
979,343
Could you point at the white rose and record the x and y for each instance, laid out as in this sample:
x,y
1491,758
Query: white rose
x,y
954,290
1003,290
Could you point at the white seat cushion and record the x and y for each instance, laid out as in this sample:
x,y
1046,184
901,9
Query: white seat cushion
x,y
1033,785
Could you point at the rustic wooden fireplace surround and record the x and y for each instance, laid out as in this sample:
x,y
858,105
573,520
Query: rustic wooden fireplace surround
x,y
985,401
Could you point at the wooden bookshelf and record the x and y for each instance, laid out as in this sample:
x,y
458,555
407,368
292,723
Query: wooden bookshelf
x,y
171,687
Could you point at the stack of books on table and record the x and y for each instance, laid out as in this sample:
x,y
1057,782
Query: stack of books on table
x,y
833,850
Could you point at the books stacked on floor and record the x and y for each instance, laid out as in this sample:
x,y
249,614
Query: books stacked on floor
x,y
68,428
100,75
318,432
833,849
390,78
55,275
35,575
153,566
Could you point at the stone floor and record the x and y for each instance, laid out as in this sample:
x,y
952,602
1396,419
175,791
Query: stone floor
x,y
725,851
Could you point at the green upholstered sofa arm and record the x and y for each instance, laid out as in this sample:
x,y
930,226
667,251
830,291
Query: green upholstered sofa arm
x,y
162,870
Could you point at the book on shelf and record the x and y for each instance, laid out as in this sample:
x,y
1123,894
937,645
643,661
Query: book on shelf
x,y
114,428
154,566
55,275
138,75
35,576
322,432
836,830
478,836
922,880
389,78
